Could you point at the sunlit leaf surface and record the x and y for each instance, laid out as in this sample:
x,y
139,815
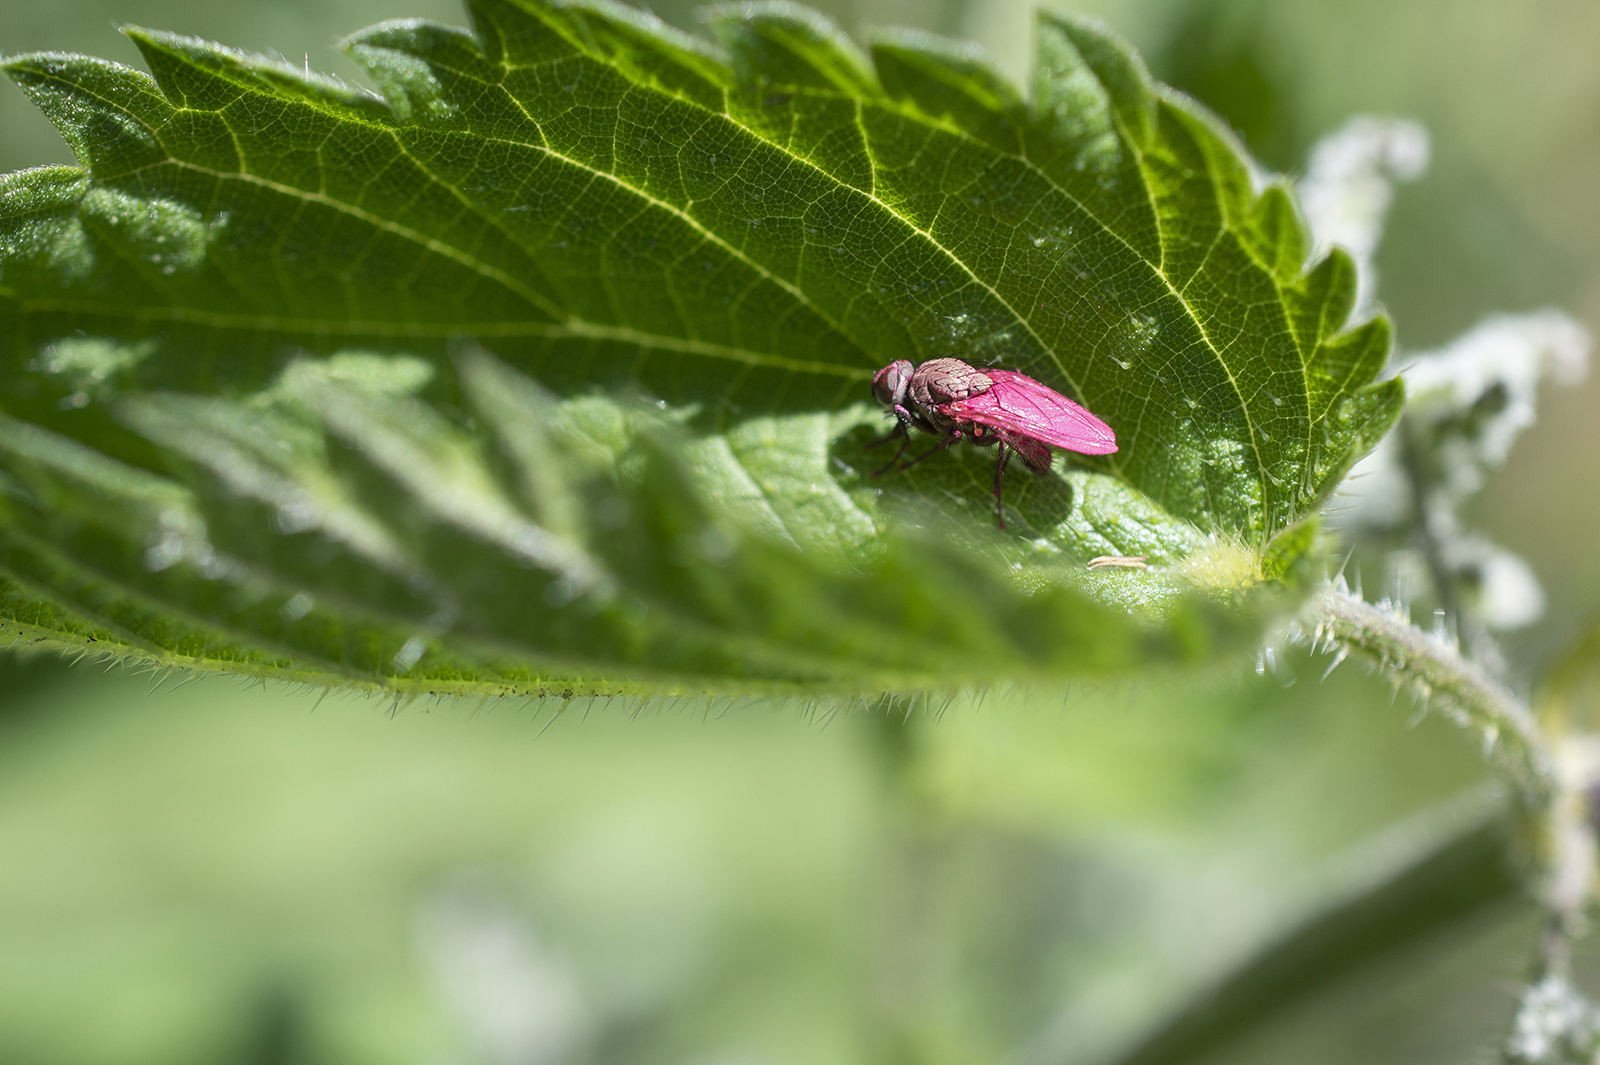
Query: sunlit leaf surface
x,y
548,369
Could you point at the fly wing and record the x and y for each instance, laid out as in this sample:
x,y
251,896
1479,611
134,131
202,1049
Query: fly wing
x,y
1023,405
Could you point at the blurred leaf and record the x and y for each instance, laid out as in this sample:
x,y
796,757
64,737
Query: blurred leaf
x,y
1452,866
237,435
343,523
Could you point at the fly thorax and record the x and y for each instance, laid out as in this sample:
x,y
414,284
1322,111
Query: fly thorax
x,y
940,381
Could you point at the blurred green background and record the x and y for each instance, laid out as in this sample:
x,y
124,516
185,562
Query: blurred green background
x,y
216,873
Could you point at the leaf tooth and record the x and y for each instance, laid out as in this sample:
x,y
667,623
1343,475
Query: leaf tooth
x,y
204,75
1326,297
109,114
777,45
1279,236
403,57
1076,45
950,81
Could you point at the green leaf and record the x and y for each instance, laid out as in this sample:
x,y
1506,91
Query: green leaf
x,y
342,522
244,372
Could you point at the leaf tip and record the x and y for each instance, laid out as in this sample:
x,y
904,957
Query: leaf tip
x,y
948,80
777,42
1071,46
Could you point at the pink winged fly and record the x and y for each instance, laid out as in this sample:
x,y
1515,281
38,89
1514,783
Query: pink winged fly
x,y
955,400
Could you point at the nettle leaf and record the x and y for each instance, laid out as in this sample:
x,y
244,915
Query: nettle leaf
x,y
548,369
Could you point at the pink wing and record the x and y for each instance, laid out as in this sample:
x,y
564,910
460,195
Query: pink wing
x,y
1023,405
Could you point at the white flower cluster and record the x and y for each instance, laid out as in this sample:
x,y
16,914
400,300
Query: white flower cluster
x,y
1467,402
1349,185
1554,1025
1491,374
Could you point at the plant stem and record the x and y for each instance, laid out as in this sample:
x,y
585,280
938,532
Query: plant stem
x,y
1412,461
1436,521
1554,1022
1435,670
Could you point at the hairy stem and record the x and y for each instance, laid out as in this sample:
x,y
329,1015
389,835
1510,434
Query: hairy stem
x,y
1554,1022
1435,669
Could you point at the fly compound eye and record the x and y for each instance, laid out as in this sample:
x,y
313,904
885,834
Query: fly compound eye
x,y
890,384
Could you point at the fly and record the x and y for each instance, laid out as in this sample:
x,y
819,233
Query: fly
x,y
955,400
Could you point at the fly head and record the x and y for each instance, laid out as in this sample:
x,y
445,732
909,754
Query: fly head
x,y
890,384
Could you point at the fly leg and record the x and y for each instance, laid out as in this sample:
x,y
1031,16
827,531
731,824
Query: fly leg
x,y
902,428
905,442
1000,472
894,461
952,438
